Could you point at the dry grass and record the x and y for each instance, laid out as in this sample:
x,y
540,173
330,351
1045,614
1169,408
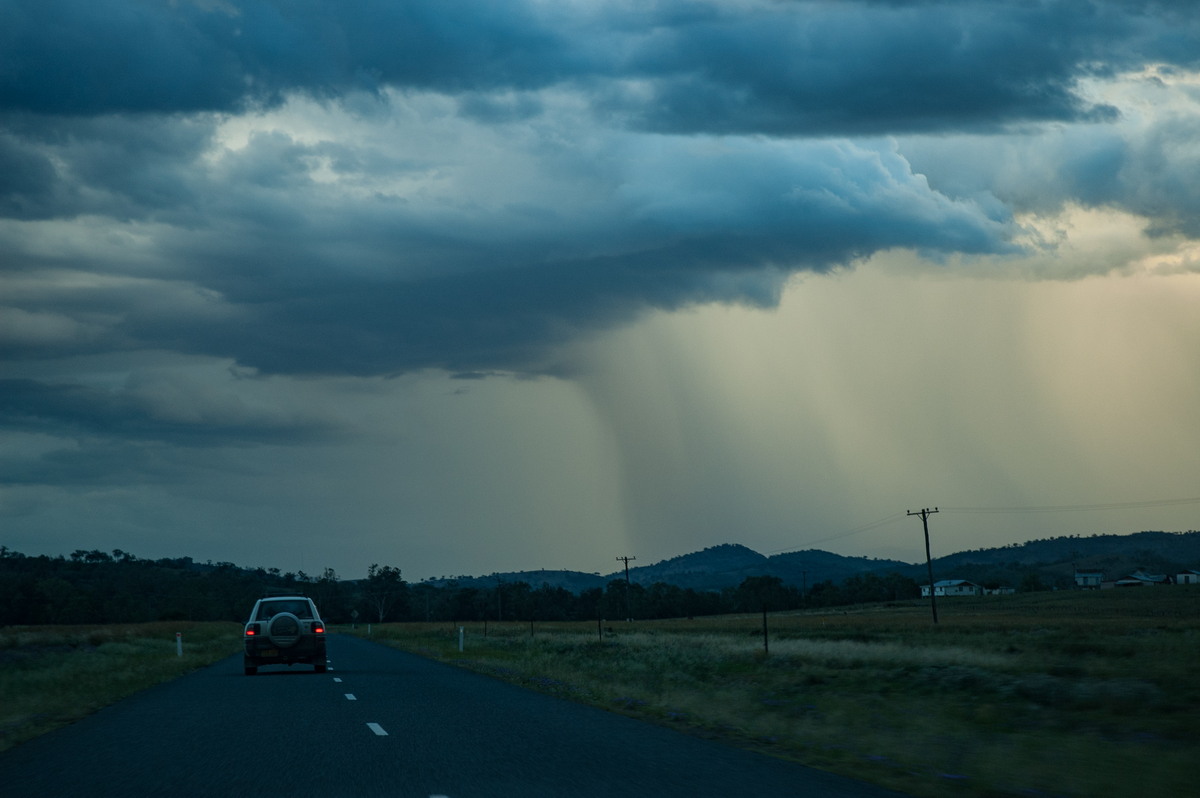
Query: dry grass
x,y
1047,694
53,675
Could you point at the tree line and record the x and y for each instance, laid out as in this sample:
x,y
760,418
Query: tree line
x,y
97,587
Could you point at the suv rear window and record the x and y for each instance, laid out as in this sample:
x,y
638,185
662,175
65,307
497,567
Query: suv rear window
x,y
269,609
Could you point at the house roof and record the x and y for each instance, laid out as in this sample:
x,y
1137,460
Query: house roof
x,y
1140,576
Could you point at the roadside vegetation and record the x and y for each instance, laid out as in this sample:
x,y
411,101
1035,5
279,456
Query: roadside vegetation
x,y
51,676
1059,693
96,587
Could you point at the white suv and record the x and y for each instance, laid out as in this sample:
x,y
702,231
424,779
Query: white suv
x,y
283,630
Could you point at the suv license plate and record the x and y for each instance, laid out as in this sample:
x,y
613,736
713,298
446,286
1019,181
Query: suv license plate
x,y
269,652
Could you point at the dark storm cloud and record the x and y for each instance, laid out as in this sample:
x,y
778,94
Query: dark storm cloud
x,y
870,68
1155,177
852,69
27,181
110,114
90,57
786,68
213,211
92,462
261,267
153,411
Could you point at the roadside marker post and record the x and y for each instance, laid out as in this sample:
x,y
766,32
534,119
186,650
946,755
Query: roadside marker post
x,y
460,639
179,644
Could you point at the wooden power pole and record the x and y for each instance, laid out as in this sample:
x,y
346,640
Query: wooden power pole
x,y
628,598
925,513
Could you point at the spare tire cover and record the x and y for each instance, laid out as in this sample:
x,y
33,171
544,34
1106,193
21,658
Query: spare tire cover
x,y
284,630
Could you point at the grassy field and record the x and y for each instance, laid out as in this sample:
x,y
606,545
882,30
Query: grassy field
x,y
53,675
1057,694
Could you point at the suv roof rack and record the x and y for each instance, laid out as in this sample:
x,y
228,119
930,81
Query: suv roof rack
x,y
283,593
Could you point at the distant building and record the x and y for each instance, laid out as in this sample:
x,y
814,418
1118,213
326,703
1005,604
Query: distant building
x,y
1142,579
999,591
1088,580
953,587
1189,577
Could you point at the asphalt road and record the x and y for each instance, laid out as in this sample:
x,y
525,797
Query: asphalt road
x,y
384,723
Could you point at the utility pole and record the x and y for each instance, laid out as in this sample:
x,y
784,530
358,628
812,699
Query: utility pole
x,y
925,513
628,599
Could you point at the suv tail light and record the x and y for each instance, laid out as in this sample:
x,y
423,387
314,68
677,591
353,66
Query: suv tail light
x,y
252,630
318,628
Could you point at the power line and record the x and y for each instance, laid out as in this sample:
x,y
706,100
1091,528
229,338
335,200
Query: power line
x,y
838,536
1069,508
1055,508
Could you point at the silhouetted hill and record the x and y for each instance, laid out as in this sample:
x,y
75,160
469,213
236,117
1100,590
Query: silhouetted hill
x,y
728,565
714,568
574,581
1051,561
807,568
1146,545
99,587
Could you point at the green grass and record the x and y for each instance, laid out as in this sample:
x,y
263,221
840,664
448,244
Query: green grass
x,y
51,676
1065,694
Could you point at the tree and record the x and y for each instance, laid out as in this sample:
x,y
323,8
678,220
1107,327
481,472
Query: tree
x,y
664,601
1032,582
327,593
385,590
761,593
622,600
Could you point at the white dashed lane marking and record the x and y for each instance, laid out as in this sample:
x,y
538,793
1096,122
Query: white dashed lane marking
x,y
375,727
350,697
339,681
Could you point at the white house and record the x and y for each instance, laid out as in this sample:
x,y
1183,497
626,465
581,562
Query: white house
x,y
953,587
1189,577
1088,580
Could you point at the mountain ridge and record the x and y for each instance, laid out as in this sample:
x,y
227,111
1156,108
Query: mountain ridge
x,y
727,565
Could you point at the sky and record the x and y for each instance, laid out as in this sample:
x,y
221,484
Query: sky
x,y
473,287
